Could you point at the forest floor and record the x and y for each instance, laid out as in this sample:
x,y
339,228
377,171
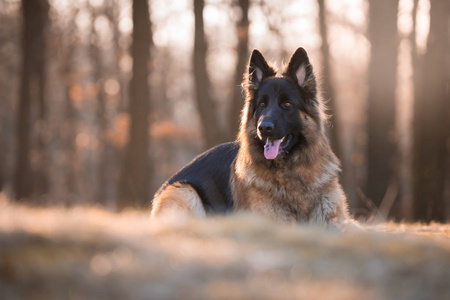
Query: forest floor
x,y
89,253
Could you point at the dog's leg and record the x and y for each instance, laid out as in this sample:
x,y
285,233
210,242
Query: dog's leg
x,y
331,212
178,198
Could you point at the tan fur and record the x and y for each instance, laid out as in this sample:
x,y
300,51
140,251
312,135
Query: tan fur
x,y
298,193
178,199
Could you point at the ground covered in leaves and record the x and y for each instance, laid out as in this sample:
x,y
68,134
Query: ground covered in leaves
x,y
88,253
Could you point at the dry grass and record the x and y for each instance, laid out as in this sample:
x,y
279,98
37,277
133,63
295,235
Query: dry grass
x,y
88,253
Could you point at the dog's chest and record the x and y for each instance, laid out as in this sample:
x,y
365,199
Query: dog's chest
x,y
284,198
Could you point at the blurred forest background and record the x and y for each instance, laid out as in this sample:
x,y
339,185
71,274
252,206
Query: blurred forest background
x,y
102,100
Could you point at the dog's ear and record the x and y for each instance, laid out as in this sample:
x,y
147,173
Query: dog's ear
x,y
258,70
300,70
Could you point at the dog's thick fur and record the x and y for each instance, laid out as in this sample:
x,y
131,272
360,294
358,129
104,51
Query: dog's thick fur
x,y
281,166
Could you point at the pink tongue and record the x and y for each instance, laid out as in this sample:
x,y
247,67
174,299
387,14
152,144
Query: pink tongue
x,y
271,148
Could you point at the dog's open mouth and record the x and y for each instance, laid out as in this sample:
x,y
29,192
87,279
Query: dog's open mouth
x,y
274,147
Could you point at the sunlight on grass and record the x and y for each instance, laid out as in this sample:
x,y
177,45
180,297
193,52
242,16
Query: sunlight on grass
x,y
89,252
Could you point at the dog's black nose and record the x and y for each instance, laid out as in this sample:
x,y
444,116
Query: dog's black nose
x,y
266,127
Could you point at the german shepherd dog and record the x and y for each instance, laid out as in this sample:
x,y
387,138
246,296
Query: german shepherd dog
x,y
281,165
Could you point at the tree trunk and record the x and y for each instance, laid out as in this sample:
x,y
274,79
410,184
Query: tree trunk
x,y
104,151
112,12
135,174
242,57
327,82
32,88
41,183
69,132
431,115
382,181
205,104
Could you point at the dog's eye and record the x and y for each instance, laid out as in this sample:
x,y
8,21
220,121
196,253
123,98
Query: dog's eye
x,y
287,104
262,103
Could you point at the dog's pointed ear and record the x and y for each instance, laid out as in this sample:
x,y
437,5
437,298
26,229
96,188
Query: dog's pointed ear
x,y
300,70
258,70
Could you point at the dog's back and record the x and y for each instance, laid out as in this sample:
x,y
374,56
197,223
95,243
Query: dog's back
x,y
203,183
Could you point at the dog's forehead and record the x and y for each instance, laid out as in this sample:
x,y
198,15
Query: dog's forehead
x,y
275,87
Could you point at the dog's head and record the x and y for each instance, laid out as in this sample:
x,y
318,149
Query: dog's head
x,y
282,114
